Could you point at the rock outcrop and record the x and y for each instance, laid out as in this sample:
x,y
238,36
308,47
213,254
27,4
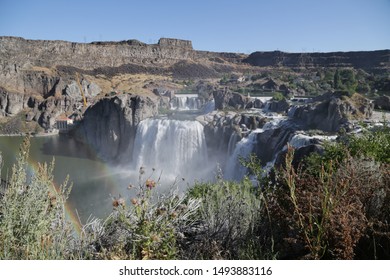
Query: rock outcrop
x,y
12,103
225,99
220,126
271,141
278,106
331,111
109,126
43,111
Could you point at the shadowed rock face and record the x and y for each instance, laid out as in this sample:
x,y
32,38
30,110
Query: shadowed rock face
x,y
109,126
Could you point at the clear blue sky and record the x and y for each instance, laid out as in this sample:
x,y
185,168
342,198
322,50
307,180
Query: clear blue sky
x,y
219,25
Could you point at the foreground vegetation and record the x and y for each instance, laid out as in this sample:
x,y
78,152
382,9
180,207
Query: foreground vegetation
x,y
334,205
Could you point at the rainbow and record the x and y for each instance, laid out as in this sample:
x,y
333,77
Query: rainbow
x,y
112,180
70,214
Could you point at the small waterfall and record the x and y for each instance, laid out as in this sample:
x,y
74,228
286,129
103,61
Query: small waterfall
x,y
178,148
291,111
186,102
234,169
234,138
301,140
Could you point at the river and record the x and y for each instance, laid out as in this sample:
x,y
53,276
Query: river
x,y
94,182
171,149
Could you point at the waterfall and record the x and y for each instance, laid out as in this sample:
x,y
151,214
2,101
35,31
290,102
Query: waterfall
x,y
291,111
234,138
301,140
234,169
177,148
185,102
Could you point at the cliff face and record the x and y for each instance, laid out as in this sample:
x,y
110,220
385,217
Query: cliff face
x,y
368,60
45,68
109,126
89,56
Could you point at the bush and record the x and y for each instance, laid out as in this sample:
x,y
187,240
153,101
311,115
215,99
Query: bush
x,y
336,204
329,215
33,224
278,96
228,220
145,230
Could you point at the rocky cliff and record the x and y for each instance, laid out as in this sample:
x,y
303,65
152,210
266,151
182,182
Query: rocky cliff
x,y
43,78
331,111
367,60
25,53
109,126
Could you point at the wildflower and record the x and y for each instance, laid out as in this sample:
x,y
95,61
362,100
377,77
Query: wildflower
x,y
130,186
150,184
141,170
118,202
134,201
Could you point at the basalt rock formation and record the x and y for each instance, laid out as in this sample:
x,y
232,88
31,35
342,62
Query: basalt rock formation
x,y
367,60
331,111
109,126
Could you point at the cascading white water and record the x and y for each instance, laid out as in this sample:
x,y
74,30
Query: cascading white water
x,y
186,102
301,140
234,138
234,170
177,148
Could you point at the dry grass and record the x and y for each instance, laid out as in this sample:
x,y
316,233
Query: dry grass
x,y
328,215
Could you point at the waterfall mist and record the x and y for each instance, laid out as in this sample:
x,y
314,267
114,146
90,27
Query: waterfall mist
x,y
177,149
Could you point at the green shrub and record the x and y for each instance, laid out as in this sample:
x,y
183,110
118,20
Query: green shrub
x,y
227,223
374,143
33,224
278,96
